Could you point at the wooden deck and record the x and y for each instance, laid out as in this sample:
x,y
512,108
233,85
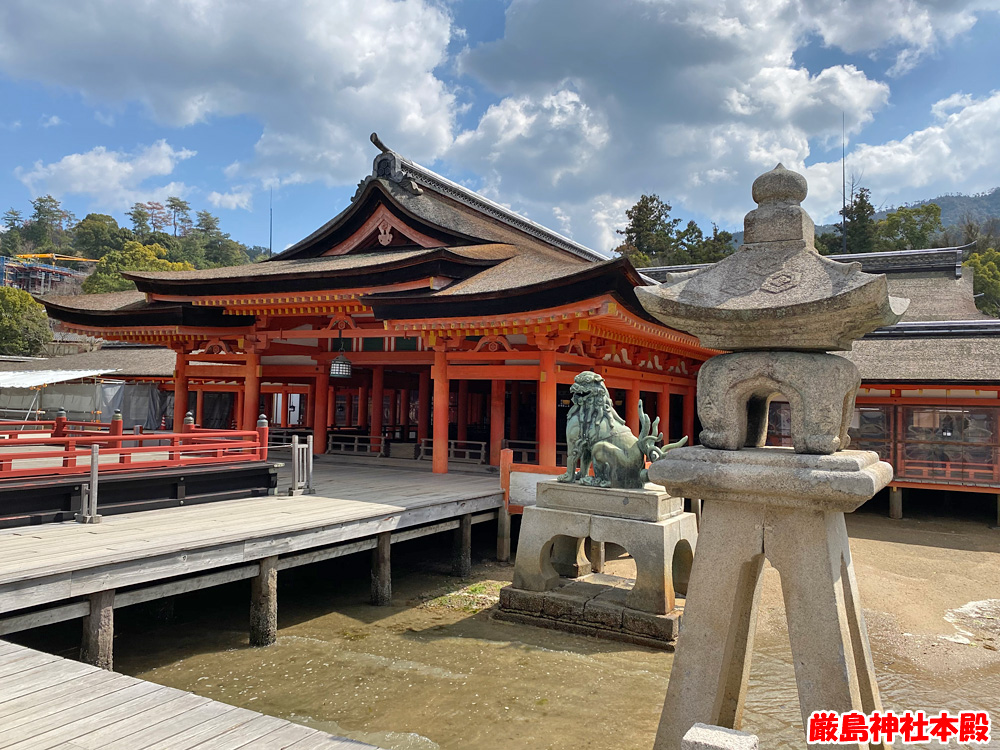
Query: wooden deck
x,y
47,572
47,702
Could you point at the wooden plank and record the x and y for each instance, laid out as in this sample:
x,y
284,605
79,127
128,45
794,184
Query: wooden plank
x,y
42,677
34,726
203,731
280,738
244,736
163,590
45,617
162,731
61,692
100,719
23,663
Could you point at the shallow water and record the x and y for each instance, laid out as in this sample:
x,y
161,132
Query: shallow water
x,y
435,671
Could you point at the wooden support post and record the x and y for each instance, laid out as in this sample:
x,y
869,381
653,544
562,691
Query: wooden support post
x,y
462,426
404,411
424,405
180,390
896,502
546,415
439,458
331,402
515,409
251,391
321,409
363,406
663,412
199,408
392,396
597,554
689,404
97,647
382,570
378,394
503,534
497,414
264,603
632,407
461,565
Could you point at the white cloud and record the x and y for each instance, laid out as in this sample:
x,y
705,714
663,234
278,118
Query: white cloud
x,y
50,121
959,153
232,200
11,126
319,75
105,118
111,178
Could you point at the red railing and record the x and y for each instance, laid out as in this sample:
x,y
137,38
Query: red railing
x,y
58,455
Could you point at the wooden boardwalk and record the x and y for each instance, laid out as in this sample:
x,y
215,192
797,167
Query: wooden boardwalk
x,y
47,702
55,572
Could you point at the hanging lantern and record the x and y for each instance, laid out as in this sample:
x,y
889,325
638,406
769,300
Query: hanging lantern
x,y
341,366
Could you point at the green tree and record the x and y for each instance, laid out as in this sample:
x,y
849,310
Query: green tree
x,y
651,233
24,326
132,257
46,219
96,235
207,225
859,216
180,215
12,219
11,243
140,219
908,228
986,280
225,252
159,216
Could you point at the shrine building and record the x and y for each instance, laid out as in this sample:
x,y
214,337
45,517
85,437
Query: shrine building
x,y
422,321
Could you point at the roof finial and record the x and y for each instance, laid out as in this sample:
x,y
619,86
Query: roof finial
x,y
379,145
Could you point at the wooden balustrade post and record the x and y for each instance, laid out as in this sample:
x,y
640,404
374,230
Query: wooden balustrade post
x,y
59,430
262,437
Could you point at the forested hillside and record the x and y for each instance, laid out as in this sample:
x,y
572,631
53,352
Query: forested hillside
x,y
162,237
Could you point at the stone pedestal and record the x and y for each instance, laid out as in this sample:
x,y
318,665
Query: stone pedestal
x,y
770,504
649,523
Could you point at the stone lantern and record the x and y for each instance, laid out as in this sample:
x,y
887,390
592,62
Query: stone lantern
x,y
778,308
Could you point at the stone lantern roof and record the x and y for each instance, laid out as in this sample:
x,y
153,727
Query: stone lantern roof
x,y
776,291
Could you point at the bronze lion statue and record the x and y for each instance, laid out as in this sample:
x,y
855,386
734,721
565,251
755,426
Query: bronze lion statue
x,y
597,437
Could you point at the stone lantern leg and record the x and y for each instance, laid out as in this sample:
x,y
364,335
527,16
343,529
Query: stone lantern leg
x,y
778,307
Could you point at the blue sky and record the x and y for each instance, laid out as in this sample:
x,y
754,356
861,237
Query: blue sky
x,y
566,110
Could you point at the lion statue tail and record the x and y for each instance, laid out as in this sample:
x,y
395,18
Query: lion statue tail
x,y
649,436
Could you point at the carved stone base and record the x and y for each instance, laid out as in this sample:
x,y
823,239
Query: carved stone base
x,y
551,543
593,605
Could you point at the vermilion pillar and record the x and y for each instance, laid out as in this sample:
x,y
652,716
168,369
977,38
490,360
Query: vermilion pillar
x,y
496,420
689,402
199,408
331,403
378,378
547,409
404,412
251,392
663,412
462,428
321,410
632,407
424,406
515,409
441,388
363,406
180,390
